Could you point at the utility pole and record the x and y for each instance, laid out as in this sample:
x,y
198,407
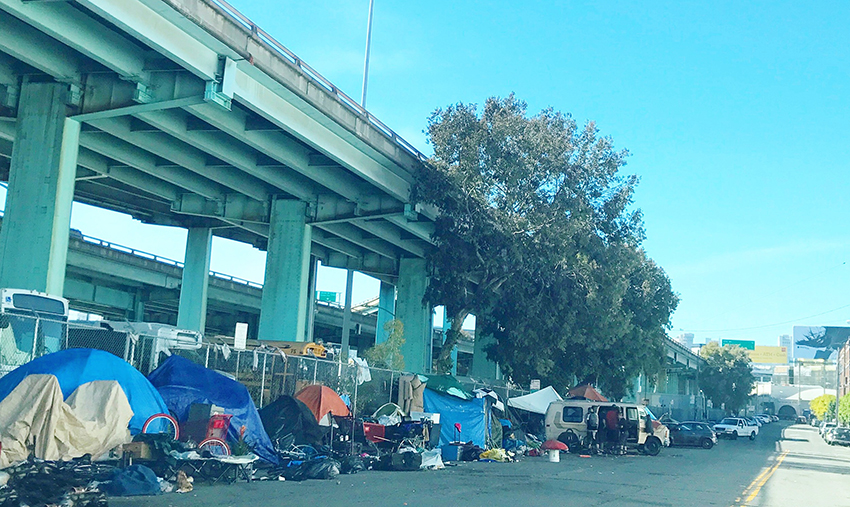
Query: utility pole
x,y
366,60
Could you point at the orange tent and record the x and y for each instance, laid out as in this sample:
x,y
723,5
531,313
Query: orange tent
x,y
586,392
322,400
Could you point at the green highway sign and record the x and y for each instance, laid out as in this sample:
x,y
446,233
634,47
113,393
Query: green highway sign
x,y
744,344
327,296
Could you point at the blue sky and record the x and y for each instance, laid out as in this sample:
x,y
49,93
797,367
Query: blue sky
x,y
735,114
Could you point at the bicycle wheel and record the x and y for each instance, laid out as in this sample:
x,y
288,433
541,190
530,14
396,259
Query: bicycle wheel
x,y
162,423
215,446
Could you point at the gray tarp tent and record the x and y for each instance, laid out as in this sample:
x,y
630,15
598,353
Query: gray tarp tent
x,y
536,402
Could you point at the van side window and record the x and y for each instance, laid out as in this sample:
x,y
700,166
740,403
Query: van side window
x,y
572,415
631,413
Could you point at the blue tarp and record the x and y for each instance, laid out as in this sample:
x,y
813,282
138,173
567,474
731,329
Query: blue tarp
x,y
75,367
472,416
182,383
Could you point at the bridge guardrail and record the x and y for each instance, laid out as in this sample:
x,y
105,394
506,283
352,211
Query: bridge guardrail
x,y
272,43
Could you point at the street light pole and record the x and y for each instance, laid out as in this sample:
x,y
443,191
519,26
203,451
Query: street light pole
x,y
366,60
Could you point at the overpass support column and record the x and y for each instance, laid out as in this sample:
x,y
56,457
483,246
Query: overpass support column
x,y
283,313
386,311
34,236
482,366
192,313
412,312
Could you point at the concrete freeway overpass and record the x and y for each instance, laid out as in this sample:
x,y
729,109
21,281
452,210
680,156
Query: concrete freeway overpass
x,y
121,283
185,113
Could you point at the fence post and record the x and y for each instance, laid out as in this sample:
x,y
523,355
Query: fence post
x,y
392,375
207,357
263,380
237,365
353,415
315,368
35,337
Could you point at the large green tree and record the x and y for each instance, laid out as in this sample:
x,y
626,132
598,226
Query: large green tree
x,y
537,239
727,377
844,410
821,405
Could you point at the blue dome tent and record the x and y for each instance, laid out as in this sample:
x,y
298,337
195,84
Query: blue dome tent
x,y
182,383
75,367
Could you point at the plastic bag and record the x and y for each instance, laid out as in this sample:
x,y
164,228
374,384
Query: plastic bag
x,y
351,465
322,467
432,460
494,454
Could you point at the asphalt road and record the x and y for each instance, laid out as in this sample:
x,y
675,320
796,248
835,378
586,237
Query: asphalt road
x,y
784,466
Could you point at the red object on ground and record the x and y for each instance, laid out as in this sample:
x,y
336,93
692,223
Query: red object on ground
x,y
321,400
555,444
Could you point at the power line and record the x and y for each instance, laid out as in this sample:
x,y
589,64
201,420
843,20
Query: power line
x,y
767,325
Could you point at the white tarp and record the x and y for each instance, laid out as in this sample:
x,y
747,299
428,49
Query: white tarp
x,y
536,402
92,421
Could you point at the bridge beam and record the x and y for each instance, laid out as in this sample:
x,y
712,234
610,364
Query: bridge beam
x,y
34,237
283,315
192,312
414,314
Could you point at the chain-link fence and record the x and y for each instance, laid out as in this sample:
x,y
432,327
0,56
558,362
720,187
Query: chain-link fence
x,y
265,371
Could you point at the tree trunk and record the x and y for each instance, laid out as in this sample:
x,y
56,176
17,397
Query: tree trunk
x,y
443,364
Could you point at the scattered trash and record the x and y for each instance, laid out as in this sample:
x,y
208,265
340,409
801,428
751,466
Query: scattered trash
x,y
322,467
432,460
135,480
69,483
184,482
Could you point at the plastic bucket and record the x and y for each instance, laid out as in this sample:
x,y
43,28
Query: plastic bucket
x,y
554,455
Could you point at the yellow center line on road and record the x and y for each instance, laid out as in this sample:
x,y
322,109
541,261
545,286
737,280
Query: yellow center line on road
x,y
761,480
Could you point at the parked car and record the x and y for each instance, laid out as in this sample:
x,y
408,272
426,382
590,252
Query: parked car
x,y
735,427
826,426
753,421
838,436
581,423
764,418
692,433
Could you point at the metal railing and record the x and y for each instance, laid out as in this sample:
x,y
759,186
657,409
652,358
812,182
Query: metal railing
x,y
158,258
313,75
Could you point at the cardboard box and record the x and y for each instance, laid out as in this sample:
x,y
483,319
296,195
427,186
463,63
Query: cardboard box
x,y
139,450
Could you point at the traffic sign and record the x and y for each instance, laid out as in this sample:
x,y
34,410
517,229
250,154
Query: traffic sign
x,y
744,344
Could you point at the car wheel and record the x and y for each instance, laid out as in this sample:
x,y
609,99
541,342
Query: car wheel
x,y
570,439
706,443
652,446
734,435
753,435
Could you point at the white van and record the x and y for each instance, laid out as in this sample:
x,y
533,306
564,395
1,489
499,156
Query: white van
x,y
583,423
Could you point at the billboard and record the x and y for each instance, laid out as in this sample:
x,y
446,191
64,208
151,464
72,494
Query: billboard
x,y
764,354
819,342
744,344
